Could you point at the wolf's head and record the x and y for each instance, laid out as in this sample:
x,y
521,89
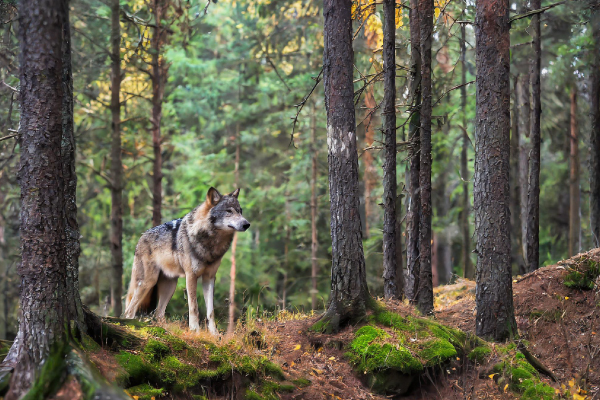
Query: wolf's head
x,y
225,211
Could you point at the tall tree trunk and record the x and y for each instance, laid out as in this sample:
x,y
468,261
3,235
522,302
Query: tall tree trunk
x,y
425,288
595,131
158,88
524,133
574,198
390,279
495,313
515,217
464,167
349,292
68,154
370,175
313,209
414,202
533,202
232,272
441,201
116,166
43,273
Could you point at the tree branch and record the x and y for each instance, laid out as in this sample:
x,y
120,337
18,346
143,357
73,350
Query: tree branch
x,y
534,12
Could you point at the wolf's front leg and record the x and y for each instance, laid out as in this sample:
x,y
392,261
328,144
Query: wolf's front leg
x,y
191,283
208,287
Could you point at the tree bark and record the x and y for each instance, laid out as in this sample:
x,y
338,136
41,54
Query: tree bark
x,y
370,175
515,197
43,272
414,201
441,200
68,154
425,288
595,129
349,292
524,133
313,209
391,290
574,196
533,202
116,166
233,271
158,88
464,167
495,314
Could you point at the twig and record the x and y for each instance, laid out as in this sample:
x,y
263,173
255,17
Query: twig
x,y
301,105
9,136
449,90
277,72
534,12
10,87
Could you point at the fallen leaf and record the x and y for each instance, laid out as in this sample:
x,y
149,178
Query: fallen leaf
x,y
332,358
297,347
505,387
492,376
566,298
572,382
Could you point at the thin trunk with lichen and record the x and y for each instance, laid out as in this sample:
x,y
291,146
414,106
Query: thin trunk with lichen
x,y
349,293
464,167
574,195
313,209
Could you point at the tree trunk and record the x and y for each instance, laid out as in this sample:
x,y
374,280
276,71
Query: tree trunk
x,y
574,198
158,89
349,292
390,279
491,193
515,217
370,175
43,273
533,202
524,132
441,200
425,289
414,201
313,209
116,166
68,154
232,272
464,167
595,131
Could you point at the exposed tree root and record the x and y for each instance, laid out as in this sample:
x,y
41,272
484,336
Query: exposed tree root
x,y
537,364
108,334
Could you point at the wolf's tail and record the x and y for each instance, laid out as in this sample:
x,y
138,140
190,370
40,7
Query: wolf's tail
x,y
150,302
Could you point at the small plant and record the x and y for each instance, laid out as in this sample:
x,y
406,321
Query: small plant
x,y
582,275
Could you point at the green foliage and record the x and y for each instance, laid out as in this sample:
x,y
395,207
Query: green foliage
x,y
436,352
301,382
156,350
479,354
582,275
521,377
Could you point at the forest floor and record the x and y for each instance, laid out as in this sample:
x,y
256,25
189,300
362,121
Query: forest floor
x,y
283,359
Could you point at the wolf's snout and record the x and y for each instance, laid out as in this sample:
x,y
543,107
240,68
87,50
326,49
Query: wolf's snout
x,y
245,226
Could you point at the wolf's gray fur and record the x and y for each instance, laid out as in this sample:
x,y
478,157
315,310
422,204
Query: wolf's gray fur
x,y
190,247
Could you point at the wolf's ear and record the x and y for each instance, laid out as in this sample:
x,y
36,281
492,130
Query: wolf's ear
x,y
213,197
235,193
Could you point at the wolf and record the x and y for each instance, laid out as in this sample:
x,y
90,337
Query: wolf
x,y
190,247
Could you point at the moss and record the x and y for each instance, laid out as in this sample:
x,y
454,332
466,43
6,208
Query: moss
x,y
301,382
583,275
479,354
138,371
88,344
155,350
368,354
321,326
51,376
252,395
436,352
522,378
145,391
539,391
175,343
272,369
156,331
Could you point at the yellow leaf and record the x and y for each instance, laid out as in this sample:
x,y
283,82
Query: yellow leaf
x,y
492,376
566,298
297,347
136,397
572,382
505,387
332,358
437,12
578,397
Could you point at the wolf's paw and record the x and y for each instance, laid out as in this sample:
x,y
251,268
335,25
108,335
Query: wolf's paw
x,y
213,331
194,327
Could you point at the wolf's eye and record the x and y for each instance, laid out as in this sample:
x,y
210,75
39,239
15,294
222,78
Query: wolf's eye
x,y
230,211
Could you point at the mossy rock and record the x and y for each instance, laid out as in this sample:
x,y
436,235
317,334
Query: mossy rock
x,y
522,378
436,352
137,370
145,392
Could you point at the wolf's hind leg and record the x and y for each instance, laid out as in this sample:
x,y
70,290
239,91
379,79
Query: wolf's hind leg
x,y
142,289
191,285
166,287
208,287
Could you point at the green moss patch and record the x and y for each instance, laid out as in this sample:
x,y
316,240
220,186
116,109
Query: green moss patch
x,y
479,354
521,377
582,275
436,352
145,392
301,382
